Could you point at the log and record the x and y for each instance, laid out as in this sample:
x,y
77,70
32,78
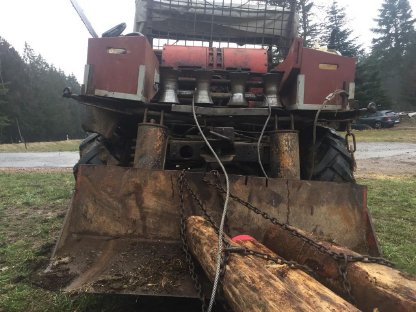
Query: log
x,y
253,284
373,286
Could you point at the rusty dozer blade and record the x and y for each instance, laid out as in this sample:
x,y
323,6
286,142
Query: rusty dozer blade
x,y
122,229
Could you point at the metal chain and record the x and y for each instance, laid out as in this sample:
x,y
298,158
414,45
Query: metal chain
x,y
342,271
342,259
243,250
275,259
185,247
351,146
294,232
184,183
199,203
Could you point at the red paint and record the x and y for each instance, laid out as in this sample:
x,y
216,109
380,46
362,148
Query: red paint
x,y
243,238
319,83
253,60
183,56
119,72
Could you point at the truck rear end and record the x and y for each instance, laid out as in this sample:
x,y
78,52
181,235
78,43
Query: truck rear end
x,y
196,77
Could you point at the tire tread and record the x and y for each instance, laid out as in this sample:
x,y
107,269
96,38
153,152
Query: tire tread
x,y
332,160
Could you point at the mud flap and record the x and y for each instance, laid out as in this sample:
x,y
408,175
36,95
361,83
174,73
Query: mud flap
x,y
121,232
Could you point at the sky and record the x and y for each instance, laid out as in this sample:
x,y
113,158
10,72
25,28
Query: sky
x,y
54,30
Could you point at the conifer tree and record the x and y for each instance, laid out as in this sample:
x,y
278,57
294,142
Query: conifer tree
x,y
32,94
395,30
308,27
336,33
4,120
369,87
394,49
408,86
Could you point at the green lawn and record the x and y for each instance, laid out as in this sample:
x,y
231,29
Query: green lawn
x,y
58,146
32,208
392,203
407,135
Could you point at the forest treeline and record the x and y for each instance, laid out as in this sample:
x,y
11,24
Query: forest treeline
x,y
31,104
386,74
31,89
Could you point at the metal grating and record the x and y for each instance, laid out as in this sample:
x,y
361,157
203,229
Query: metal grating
x,y
219,23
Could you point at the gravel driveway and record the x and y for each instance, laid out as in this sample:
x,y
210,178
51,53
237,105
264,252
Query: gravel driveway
x,y
384,150
372,158
38,160
386,158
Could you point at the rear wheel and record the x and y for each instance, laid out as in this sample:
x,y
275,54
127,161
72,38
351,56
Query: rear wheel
x,y
377,125
92,151
329,160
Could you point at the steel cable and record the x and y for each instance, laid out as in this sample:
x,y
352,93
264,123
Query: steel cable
x,y
260,138
329,98
224,213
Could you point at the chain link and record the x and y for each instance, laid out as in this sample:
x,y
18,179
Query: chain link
x,y
275,259
351,148
294,232
185,247
342,259
342,271
228,249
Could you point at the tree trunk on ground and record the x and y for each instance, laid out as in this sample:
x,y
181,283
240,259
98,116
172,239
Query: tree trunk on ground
x,y
373,286
254,284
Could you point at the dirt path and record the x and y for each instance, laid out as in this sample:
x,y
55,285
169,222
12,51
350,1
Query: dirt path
x,y
381,158
386,158
38,160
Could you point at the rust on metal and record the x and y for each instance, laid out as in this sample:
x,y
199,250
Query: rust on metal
x,y
122,230
284,154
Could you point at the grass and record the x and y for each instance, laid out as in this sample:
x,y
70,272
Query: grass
x,y
32,208
407,135
397,134
392,203
58,146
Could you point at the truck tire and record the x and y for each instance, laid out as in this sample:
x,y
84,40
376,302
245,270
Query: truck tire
x,y
92,151
332,160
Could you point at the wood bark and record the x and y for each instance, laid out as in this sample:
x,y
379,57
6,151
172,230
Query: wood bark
x,y
254,284
373,286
